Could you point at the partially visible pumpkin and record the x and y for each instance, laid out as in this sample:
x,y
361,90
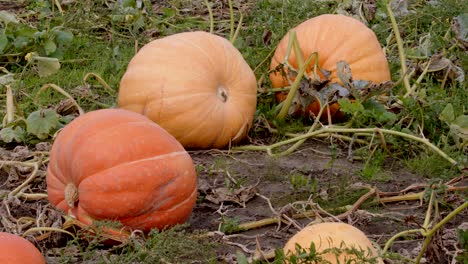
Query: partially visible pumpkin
x,y
196,85
333,235
335,38
17,250
115,164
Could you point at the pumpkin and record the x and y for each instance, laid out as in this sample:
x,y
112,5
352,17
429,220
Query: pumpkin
x,y
331,235
114,164
17,250
334,38
196,85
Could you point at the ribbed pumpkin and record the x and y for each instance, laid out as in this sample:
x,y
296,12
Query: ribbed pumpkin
x,y
333,235
335,38
196,85
115,164
17,250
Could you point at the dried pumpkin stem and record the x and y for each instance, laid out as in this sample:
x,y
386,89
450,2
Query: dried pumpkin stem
x,y
231,14
50,229
401,51
10,105
100,79
419,80
331,130
210,12
236,33
287,103
71,195
60,90
33,196
31,177
300,142
427,234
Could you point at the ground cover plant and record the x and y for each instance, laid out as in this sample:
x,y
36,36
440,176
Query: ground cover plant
x,y
394,166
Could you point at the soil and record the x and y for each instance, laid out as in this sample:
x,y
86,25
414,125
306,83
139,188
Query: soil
x,y
240,185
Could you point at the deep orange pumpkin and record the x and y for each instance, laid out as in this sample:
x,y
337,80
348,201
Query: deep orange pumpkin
x,y
335,38
17,250
196,85
115,164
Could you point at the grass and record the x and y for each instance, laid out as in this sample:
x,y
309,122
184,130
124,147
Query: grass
x,y
104,40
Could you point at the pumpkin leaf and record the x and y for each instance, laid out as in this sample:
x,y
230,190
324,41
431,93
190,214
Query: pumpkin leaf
x,y
45,66
241,258
8,17
349,107
447,115
344,73
49,46
459,131
378,111
41,123
63,37
460,27
3,42
7,78
10,134
239,196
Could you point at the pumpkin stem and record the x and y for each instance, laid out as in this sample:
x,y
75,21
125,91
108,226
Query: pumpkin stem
x,y
71,195
222,93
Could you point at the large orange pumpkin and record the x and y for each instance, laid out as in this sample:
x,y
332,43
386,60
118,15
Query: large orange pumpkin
x,y
330,235
196,85
17,250
335,38
115,164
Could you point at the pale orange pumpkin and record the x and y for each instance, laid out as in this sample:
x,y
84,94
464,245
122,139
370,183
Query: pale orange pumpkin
x,y
118,165
335,38
331,235
196,85
17,250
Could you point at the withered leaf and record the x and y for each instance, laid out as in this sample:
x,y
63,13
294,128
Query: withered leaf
x,y
344,73
267,37
460,27
239,196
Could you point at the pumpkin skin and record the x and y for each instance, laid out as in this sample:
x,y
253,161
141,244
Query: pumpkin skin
x,y
115,164
332,235
335,38
196,85
17,250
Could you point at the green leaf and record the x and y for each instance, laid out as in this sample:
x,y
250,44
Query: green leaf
x,y
350,107
63,37
21,42
459,130
49,46
45,66
40,35
378,111
3,42
7,78
128,3
8,17
41,123
447,114
10,134
241,258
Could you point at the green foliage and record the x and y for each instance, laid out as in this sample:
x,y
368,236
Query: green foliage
x,y
229,225
173,245
300,182
40,125
463,238
45,46
41,122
